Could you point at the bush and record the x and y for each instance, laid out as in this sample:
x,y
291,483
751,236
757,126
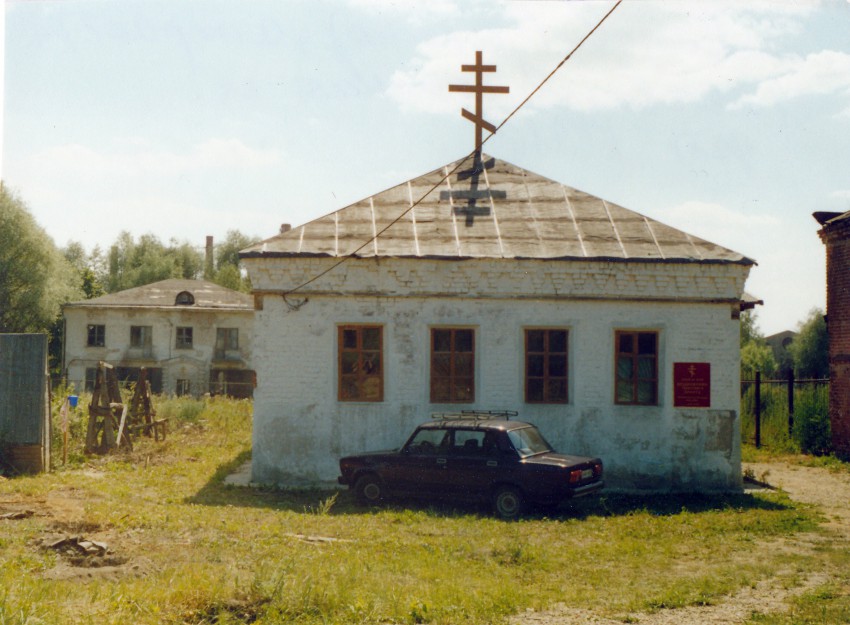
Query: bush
x,y
811,425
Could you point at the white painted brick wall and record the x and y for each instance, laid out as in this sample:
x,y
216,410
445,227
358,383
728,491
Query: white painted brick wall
x,y
192,364
301,430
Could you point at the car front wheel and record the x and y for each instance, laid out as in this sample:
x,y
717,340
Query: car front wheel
x,y
508,503
369,489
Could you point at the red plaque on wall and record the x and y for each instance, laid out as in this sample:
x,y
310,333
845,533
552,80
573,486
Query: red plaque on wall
x,y
692,384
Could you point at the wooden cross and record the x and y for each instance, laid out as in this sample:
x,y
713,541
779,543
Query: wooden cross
x,y
479,89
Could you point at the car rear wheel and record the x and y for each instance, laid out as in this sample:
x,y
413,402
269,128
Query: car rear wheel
x,y
508,502
369,489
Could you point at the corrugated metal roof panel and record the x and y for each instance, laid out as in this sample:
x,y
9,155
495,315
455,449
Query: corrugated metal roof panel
x,y
497,211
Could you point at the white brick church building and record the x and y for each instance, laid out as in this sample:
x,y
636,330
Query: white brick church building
x,y
617,335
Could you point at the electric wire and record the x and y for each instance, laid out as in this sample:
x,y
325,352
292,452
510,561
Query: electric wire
x,y
478,148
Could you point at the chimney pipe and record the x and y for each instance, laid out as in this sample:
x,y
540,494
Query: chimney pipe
x,y
208,259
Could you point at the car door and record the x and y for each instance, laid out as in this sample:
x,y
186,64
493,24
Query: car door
x,y
474,463
422,463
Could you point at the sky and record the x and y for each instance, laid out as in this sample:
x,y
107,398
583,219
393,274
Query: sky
x,y
728,120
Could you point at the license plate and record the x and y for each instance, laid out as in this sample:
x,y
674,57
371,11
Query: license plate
x,y
586,473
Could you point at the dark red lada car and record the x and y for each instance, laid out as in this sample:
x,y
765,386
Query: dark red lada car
x,y
474,456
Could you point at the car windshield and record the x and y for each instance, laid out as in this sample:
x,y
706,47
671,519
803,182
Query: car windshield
x,y
528,442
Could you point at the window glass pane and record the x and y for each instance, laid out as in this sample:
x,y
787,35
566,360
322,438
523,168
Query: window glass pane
x,y
442,340
464,364
348,387
349,338
535,340
556,390
440,389
626,344
535,365
427,441
557,340
462,389
646,343
370,389
646,392
558,366
441,365
471,440
624,368
372,363
624,391
646,368
348,362
463,340
371,338
534,390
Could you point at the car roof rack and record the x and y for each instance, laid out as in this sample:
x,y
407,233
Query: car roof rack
x,y
476,415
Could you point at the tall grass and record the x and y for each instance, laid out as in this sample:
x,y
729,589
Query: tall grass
x,y
810,431
199,551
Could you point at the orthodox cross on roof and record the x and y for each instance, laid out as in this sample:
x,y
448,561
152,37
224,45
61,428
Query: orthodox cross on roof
x,y
479,89
474,193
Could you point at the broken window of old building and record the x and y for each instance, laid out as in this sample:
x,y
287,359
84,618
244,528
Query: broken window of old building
x,y
361,371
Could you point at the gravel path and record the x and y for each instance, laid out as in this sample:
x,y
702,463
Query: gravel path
x,y
829,491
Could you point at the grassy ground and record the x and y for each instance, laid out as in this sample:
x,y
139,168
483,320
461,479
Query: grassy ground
x,y
185,548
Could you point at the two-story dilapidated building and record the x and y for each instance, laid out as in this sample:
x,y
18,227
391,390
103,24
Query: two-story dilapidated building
x,y
193,337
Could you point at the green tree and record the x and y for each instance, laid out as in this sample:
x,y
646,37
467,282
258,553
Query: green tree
x,y
132,263
228,267
35,278
810,348
86,266
756,354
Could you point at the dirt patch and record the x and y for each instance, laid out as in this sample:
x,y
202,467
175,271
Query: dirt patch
x,y
84,551
817,486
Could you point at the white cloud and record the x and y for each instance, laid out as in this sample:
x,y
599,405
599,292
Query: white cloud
x,y
820,73
722,225
137,158
765,238
644,54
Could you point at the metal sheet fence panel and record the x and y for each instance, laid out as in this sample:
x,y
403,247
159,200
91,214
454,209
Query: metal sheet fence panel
x,y
23,388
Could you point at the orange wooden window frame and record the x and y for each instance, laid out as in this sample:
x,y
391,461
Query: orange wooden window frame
x,y
455,394
634,356
365,381
546,377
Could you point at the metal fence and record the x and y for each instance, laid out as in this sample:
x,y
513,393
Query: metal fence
x,y
769,407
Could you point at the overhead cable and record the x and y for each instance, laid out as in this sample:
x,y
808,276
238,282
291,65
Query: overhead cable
x,y
461,161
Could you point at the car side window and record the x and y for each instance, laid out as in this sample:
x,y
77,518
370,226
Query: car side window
x,y
427,441
469,442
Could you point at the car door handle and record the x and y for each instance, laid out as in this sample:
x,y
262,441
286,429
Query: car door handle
x,y
492,463
441,461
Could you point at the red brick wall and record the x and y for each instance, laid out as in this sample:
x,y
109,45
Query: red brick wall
x,y
837,240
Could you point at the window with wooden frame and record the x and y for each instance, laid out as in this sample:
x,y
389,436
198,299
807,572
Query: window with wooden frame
x,y
452,365
226,342
636,368
141,336
361,367
546,366
184,338
96,335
